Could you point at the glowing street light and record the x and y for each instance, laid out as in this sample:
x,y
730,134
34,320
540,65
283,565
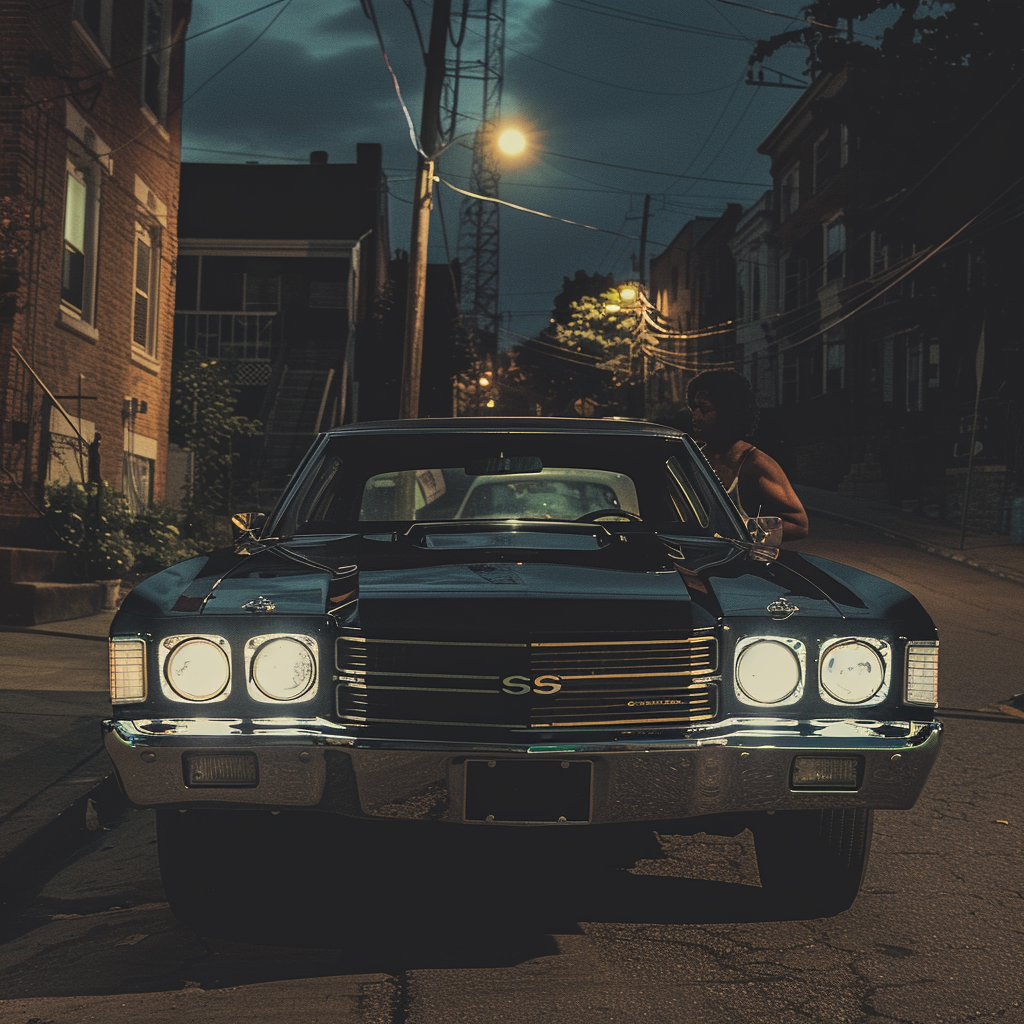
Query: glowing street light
x,y
512,141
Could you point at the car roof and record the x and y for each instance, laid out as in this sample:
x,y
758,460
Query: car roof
x,y
510,424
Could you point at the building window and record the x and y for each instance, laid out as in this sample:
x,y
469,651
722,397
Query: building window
x,y
831,152
794,284
78,276
790,193
755,292
138,473
156,37
94,16
147,289
835,250
741,311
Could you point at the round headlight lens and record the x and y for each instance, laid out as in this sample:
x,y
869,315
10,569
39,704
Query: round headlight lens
x,y
852,672
283,669
198,669
767,671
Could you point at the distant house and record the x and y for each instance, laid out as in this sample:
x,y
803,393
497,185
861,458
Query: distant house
x,y
693,287
89,155
756,257
279,269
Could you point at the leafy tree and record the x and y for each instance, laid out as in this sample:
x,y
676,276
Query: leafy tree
x,y
581,363
203,419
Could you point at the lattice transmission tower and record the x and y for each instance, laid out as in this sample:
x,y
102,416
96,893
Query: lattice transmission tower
x,y
480,221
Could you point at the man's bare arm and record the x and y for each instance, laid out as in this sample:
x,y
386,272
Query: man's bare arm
x,y
765,487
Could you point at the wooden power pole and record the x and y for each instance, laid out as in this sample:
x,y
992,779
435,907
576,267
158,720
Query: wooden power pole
x,y
412,355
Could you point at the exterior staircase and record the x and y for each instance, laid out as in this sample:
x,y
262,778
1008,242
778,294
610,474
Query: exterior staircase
x,y
33,574
297,402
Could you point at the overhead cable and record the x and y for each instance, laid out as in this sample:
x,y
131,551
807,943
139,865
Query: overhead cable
x,y
414,137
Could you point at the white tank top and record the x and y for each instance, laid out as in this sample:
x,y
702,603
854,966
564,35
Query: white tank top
x,y
733,490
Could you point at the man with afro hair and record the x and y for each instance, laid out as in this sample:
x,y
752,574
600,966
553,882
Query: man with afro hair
x,y
724,416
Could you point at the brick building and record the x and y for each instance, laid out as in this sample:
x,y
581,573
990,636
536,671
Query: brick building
x,y
89,156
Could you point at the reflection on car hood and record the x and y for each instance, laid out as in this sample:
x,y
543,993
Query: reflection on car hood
x,y
670,582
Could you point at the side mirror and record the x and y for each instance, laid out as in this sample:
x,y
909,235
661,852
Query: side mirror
x,y
245,526
766,530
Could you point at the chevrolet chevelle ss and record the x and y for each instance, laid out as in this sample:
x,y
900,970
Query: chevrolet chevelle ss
x,y
533,625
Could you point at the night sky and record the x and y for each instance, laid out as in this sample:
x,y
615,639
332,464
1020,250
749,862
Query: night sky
x,y
652,85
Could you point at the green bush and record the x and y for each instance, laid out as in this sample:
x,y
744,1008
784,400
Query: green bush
x,y
156,537
104,539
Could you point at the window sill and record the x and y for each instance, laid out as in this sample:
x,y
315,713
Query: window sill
x,y
155,121
94,47
147,362
74,323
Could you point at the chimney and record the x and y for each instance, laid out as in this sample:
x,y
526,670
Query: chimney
x,y
318,156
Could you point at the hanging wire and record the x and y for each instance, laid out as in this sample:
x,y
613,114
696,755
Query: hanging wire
x,y
371,14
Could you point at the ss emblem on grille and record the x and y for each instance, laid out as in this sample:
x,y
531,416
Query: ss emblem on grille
x,y
519,685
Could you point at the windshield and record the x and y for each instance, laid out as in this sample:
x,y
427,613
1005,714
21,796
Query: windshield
x,y
357,482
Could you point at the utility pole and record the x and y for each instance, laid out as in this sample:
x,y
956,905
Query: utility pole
x,y
643,242
412,355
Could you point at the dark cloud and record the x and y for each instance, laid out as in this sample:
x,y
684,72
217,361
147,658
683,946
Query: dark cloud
x,y
316,82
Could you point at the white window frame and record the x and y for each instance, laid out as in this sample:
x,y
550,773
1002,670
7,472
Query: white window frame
x,y
150,289
160,49
84,170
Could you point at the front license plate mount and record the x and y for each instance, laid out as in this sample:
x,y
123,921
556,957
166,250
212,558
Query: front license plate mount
x,y
529,792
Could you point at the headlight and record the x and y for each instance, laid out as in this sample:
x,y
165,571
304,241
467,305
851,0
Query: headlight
x,y
197,667
280,667
854,671
769,670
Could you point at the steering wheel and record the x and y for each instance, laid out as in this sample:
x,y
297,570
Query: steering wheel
x,y
608,513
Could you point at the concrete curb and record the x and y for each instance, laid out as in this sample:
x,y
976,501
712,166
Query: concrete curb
x,y
951,554
47,827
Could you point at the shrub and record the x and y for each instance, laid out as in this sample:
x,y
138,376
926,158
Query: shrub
x,y
103,538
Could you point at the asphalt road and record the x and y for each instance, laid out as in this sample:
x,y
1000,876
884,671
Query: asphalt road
x,y
441,933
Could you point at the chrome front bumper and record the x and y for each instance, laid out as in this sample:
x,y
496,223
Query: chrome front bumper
x,y
736,766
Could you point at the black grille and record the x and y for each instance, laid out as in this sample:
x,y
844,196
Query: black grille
x,y
542,684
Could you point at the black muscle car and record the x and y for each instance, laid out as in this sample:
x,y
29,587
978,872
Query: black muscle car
x,y
512,624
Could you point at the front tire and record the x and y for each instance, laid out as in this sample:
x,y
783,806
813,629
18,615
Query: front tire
x,y
812,862
225,870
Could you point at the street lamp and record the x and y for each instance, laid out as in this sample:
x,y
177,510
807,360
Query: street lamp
x,y
510,141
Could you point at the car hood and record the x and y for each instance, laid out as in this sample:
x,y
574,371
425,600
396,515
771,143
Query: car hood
x,y
667,581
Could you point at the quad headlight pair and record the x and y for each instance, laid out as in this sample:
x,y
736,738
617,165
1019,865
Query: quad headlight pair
x,y
771,671
197,667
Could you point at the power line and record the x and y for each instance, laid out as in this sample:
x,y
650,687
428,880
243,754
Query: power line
x,y
591,7
664,174
615,85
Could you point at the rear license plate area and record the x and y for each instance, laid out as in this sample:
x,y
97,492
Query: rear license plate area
x,y
528,792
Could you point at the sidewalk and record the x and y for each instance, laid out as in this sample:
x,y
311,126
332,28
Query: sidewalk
x,y
55,777
993,554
